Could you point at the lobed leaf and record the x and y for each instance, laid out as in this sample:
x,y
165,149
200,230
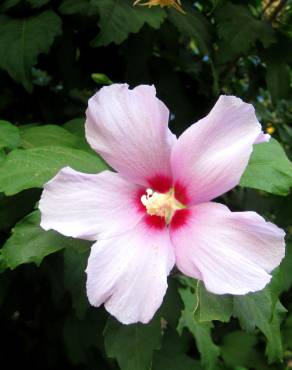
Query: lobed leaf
x,y
201,331
239,30
120,18
259,310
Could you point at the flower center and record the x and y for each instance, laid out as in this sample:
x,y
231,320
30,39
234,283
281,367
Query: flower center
x,y
161,204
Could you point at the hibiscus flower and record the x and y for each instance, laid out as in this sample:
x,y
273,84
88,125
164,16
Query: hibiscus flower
x,y
157,211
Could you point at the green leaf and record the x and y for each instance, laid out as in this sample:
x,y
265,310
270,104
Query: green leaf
x,y
9,135
238,349
33,3
201,331
47,135
13,209
192,24
287,332
172,304
132,345
75,261
84,7
259,310
178,362
77,127
2,155
7,4
30,243
81,337
32,168
282,279
268,169
119,18
172,355
37,3
212,306
239,30
278,79
23,40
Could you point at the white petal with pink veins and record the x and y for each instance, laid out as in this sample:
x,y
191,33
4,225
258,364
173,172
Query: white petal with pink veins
x,y
129,129
129,273
89,206
209,157
233,251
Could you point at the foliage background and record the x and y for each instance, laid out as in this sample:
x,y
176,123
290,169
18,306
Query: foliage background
x,y
53,56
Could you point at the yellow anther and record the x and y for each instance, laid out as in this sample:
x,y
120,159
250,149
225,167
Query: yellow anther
x,y
169,3
270,130
161,204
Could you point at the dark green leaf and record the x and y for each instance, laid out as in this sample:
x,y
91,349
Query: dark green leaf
x,y
32,168
287,332
278,79
282,280
259,310
7,4
13,209
172,304
239,30
75,261
37,3
178,362
132,345
238,349
192,24
76,126
120,18
268,169
81,337
23,40
84,7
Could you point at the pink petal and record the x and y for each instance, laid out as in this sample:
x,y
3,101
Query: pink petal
x,y
209,157
128,128
263,138
87,206
129,273
232,252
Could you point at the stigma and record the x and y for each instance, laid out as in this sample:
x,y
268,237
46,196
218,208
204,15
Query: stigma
x,y
161,204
